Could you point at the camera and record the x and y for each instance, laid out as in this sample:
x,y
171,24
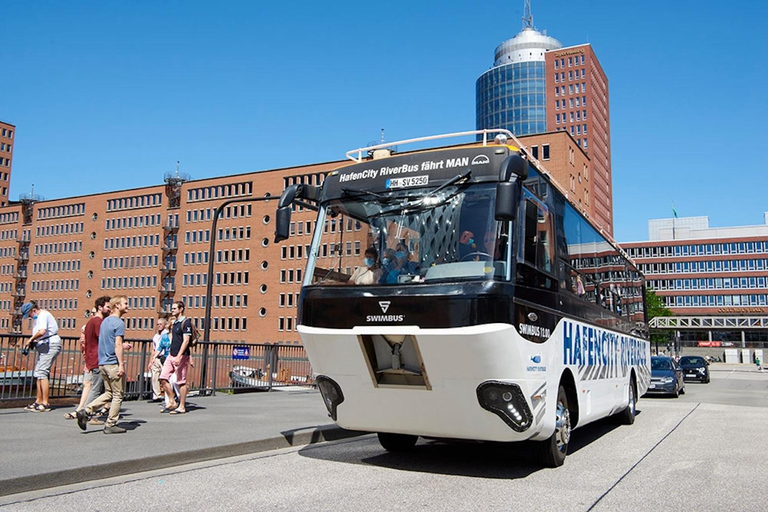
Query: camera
x,y
25,350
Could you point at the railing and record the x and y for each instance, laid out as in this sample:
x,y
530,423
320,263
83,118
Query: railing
x,y
230,367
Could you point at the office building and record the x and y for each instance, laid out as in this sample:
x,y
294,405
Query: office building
x,y
706,274
7,132
536,85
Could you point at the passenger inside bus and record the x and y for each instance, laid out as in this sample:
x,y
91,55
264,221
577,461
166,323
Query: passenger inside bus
x,y
398,264
370,271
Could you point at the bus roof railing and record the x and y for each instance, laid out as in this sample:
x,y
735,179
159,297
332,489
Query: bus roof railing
x,y
385,145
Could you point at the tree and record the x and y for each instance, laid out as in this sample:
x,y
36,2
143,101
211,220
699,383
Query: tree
x,y
654,307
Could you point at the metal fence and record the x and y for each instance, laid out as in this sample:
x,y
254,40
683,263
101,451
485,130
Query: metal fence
x,y
214,367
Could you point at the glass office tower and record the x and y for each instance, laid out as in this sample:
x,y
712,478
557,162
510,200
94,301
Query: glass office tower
x,y
512,94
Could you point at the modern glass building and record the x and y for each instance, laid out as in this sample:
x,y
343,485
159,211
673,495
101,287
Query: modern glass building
x,y
512,94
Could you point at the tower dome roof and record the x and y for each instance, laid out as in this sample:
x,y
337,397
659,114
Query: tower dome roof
x,y
528,45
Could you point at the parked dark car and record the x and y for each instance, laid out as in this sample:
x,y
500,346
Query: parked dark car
x,y
666,377
694,368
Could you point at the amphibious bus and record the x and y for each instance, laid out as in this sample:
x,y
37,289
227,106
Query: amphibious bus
x,y
492,308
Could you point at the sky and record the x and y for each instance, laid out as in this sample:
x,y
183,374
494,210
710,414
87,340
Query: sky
x,y
111,95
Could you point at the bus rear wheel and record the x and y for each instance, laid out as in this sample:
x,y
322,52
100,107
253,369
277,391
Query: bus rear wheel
x,y
627,416
554,449
397,442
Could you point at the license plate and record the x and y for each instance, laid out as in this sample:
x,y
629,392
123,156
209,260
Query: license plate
x,y
410,181
691,375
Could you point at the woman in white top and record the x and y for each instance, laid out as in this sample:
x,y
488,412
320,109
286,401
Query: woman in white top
x,y
370,271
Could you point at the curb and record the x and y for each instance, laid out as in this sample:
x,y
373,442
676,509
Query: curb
x,y
288,439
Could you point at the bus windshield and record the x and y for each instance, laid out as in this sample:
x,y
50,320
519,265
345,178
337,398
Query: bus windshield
x,y
409,236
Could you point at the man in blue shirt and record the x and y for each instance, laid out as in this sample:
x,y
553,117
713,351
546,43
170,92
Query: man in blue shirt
x,y
111,365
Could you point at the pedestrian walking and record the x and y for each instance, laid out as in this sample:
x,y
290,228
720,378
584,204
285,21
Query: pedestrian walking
x,y
46,341
93,384
178,360
161,344
112,367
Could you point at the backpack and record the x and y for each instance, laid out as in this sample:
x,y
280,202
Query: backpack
x,y
195,336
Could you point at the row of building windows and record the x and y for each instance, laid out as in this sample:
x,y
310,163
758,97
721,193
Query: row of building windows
x,y
147,261
710,283
233,278
316,178
666,251
136,221
291,275
572,61
703,266
572,75
286,323
128,203
58,248
7,164
715,300
571,103
196,258
56,266
576,115
66,210
231,256
129,282
289,300
233,233
127,242
7,132
194,280
572,89
60,229
57,304
229,212
220,191
200,236
9,218
5,147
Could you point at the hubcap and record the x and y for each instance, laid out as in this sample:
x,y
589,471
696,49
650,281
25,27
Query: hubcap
x,y
631,399
562,426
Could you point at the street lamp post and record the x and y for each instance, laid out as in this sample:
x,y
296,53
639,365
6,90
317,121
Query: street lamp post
x,y
209,288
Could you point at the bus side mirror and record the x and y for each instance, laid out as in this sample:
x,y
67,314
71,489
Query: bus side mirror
x,y
297,193
514,169
507,201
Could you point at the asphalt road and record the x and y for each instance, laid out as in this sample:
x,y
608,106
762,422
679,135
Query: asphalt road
x,y
702,451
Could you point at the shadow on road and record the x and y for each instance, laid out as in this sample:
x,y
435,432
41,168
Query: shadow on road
x,y
461,458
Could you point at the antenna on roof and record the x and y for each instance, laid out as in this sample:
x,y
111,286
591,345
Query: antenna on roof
x,y
527,15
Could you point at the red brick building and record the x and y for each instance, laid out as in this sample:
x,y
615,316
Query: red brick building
x,y
7,133
578,102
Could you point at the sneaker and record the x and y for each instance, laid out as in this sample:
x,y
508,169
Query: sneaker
x,y
82,419
95,421
114,429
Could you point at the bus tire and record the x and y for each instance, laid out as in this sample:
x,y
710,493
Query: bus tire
x,y
627,416
397,442
554,449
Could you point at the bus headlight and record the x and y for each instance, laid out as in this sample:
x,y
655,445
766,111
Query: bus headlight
x,y
331,392
505,400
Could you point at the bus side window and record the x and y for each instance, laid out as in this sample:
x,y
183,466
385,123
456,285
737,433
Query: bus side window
x,y
538,243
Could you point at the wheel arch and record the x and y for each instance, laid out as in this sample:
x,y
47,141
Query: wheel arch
x,y
569,385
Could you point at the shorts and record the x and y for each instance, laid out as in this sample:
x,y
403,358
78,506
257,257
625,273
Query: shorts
x,y
92,376
46,355
180,370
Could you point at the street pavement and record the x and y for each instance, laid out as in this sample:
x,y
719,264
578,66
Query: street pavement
x,y
42,450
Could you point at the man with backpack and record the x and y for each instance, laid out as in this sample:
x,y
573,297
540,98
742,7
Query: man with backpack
x,y
177,362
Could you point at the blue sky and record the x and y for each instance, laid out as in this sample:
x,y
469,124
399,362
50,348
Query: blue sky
x,y
109,95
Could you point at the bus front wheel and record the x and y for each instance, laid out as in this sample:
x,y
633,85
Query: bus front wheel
x,y
554,449
397,442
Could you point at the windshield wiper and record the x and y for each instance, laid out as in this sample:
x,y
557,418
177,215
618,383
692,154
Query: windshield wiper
x,y
420,202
